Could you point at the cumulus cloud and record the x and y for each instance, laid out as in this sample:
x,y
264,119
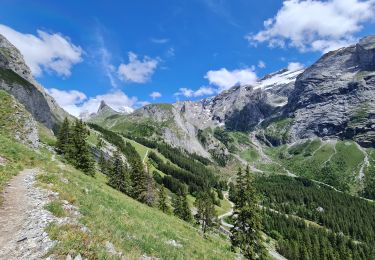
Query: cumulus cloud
x,y
293,66
138,71
202,91
76,102
154,95
44,51
225,79
312,25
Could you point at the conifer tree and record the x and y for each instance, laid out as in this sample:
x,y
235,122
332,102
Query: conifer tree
x,y
181,207
150,196
206,214
162,204
64,137
247,226
116,173
103,164
80,154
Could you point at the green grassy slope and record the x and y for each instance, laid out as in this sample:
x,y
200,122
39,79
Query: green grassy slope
x,y
133,227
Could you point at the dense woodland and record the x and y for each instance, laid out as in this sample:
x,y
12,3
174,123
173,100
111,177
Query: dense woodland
x,y
298,241
345,225
336,211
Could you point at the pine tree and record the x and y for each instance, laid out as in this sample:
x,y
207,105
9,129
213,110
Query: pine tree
x,y
181,207
163,205
177,206
139,182
103,164
150,196
206,214
186,212
116,173
64,137
81,155
246,230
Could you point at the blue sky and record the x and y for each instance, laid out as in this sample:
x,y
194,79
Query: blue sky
x,y
133,52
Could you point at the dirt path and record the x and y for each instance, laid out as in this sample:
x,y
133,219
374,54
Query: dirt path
x,y
227,214
23,219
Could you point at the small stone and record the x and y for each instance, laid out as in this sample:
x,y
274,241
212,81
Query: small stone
x,y
68,257
78,257
173,243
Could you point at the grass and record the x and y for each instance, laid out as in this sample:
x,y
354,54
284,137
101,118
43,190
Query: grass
x,y
55,207
250,154
46,136
133,227
10,77
335,163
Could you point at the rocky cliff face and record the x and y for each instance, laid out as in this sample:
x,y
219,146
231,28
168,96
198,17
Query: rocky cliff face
x,y
239,108
335,97
16,79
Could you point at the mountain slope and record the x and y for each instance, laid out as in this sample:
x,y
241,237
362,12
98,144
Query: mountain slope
x,y
335,97
16,79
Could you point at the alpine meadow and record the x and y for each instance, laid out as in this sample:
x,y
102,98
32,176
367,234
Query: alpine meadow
x,y
203,129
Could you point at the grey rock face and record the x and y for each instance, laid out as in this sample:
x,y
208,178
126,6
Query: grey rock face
x,y
16,79
11,58
335,97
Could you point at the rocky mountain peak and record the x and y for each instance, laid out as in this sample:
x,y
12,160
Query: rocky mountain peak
x,y
17,80
11,58
365,51
335,97
104,108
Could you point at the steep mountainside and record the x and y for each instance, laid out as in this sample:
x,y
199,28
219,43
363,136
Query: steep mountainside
x,y
239,108
16,79
335,97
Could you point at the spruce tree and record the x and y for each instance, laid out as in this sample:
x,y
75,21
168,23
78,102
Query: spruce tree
x,y
181,207
162,204
206,214
116,173
246,232
185,209
177,206
64,137
103,164
150,196
81,155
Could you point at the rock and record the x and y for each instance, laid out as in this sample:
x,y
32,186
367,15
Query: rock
x,y
20,83
145,257
173,243
335,97
3,161
78,257
68,257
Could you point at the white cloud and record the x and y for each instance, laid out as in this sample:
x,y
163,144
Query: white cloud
x,y
160,40
293,66
138,71
261,64
202,91
225,79
45,51
108,68
312,25
155,95
76,102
